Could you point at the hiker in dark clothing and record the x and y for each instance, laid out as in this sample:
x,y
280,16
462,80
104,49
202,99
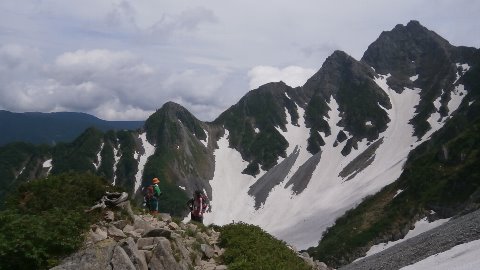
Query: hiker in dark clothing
x,y
198,205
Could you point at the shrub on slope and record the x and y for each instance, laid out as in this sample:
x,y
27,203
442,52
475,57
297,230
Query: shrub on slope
x,y
250,247
45,220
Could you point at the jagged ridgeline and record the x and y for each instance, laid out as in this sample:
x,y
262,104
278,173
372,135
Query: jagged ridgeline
x,y
441,177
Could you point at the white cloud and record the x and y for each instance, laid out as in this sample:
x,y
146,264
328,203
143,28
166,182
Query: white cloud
x,y
292,75
109,84
202,54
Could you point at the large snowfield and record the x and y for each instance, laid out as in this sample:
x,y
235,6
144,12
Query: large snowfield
x,y
300,219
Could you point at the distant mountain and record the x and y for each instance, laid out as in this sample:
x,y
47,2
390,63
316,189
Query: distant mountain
x,y
401,121
52,128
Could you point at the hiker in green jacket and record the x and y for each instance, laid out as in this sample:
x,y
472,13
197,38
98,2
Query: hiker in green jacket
x,y
151,196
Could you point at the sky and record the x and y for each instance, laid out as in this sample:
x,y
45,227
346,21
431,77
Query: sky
x,y
123,59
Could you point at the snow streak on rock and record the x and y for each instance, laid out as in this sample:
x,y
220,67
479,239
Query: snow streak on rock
x,y
117,159
206,140
47,164
230,200
148,150
99,157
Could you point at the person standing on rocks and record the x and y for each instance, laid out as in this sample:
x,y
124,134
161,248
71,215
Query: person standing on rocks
x,y
198,205
151,196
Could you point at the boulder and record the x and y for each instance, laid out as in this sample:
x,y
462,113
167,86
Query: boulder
x,y
120,260
207,250
158,233
137,258
163,258
165,217
115,232
97,256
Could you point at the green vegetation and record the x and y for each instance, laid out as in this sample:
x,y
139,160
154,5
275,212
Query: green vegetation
x,y
127,165
45,220
16,158
263,109
78,155
249,247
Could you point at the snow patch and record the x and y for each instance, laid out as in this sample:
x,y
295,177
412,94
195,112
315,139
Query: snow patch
x,y
149,150
461,257
414,78
182,187
230,200
368,123
398,192
421,226
206,140
435,119
117,159
47,164
21,171
99,157
456,97
256,130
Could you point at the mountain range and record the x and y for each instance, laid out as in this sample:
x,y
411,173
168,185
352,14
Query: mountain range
x,y
52,128
354,157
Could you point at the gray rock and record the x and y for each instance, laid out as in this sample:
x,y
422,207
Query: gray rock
x,y
96,235
143,243
109,216
207,250
158,233
132,251
163,258
444,237
140,223
173,226
115,232
97,256
128,228
120,260
165,217
120,224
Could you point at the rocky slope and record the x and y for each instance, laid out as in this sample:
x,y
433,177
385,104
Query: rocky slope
x,y
124,240
459,230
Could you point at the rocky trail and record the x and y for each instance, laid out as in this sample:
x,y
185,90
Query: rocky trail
x,y
126,241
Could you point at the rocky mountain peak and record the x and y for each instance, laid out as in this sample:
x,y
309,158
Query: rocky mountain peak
x,y
337,68
406,51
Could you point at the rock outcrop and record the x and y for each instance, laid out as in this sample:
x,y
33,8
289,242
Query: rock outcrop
x,y
123,240
146,242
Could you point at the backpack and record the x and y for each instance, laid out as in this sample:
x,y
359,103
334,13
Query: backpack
x,y
149,192
205,201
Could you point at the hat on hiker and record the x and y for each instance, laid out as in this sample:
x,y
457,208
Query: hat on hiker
x,y
155,180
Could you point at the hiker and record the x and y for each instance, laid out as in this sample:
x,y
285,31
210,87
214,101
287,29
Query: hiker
x,y
152,192
198,206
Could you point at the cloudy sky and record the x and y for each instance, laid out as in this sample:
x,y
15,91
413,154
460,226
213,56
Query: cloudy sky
x,y
123,59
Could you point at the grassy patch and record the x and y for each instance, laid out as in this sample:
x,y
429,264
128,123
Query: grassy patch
x,y
250,247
